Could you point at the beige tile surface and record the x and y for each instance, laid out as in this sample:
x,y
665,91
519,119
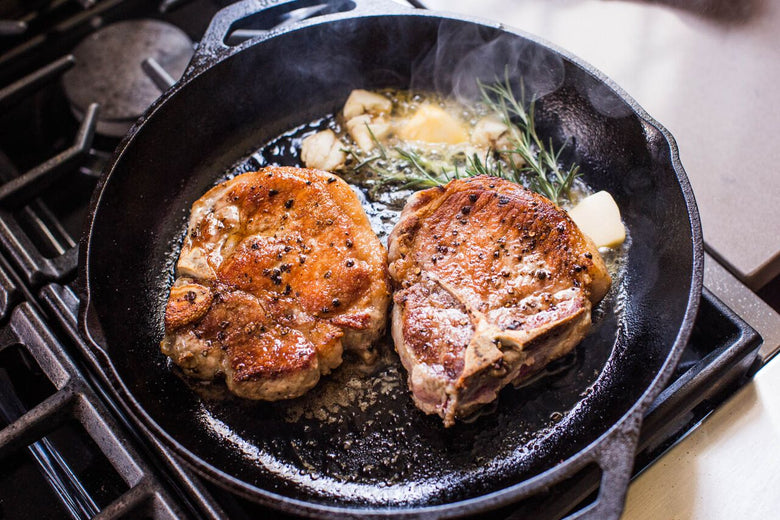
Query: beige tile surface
x,y
713,84
728,468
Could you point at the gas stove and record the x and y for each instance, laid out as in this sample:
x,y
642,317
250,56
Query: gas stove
x,y
74,75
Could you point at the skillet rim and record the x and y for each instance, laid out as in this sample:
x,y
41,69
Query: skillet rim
x,y
627,423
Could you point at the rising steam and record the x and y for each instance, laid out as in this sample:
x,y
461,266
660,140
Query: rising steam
x,y
465,54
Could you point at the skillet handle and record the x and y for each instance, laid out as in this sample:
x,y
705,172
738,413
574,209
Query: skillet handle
x,y
92,331
615,457
212,46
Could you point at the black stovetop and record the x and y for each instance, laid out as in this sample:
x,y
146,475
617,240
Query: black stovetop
x,y
66,448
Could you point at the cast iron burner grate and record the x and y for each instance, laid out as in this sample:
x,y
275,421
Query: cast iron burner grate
x,y
58,423
70,409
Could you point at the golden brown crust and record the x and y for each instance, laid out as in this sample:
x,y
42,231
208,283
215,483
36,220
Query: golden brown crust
x,y
296,275
187,302
492,282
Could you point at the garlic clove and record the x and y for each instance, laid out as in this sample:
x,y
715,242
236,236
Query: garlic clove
x,y
360,129
362,101
323,151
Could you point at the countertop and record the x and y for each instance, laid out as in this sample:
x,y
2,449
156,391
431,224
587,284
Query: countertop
x,y
727,468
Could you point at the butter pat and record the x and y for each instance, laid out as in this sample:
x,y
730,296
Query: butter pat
x,y
433,125
598,217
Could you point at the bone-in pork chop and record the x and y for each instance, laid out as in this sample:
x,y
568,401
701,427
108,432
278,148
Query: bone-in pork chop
x,y
492,283
278,274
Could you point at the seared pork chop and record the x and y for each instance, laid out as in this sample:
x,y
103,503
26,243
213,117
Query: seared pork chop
x,y
492,283
279,272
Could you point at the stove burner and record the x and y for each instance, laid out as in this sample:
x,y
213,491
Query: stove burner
x,y
109,70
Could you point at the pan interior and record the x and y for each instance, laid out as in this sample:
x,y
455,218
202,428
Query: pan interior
x,y
357,439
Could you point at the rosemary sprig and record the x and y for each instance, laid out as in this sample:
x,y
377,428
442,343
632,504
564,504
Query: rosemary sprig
x,y
542,161
528,160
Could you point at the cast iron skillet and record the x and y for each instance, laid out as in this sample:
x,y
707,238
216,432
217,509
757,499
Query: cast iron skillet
x,y
358,446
